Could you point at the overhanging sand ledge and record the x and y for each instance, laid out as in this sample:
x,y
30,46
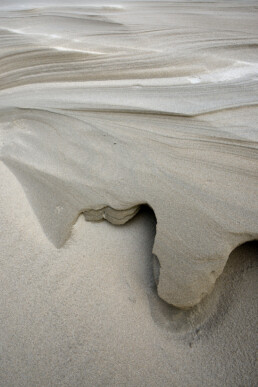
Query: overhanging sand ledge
x,y
77,139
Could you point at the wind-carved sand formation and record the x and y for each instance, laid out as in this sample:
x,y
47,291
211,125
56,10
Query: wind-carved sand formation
x,y
106,106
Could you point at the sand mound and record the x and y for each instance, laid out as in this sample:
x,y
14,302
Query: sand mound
x,y
105,107
89,314
144,114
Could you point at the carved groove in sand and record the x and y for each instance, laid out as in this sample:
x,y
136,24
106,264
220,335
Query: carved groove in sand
x,y
102,115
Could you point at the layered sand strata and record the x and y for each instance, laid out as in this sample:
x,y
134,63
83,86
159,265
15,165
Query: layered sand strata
x,y
105,107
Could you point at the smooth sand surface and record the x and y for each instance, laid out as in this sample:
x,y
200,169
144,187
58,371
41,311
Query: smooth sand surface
x,y
89,315
106,106
113,111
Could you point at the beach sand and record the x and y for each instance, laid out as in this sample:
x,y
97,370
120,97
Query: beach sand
x,y
88,314
143,114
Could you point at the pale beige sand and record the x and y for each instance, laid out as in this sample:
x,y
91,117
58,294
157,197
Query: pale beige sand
x,y
107,106
88,314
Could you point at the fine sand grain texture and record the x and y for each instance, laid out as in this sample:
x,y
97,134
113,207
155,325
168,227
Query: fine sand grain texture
x,y
105,107
143,114
89,315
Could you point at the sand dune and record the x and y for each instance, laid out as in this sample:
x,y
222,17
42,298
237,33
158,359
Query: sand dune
x,y
89,315
110,111
114,107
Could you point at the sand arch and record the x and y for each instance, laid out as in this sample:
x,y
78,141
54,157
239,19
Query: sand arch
x,y
120,217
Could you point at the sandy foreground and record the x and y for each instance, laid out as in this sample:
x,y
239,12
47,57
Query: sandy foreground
x,y
89,315
143,114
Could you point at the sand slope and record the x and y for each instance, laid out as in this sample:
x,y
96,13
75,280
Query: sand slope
x,y
105,107
89,315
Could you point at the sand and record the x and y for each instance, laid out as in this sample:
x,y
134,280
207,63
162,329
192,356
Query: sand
x,y
142,114
107,107
89,315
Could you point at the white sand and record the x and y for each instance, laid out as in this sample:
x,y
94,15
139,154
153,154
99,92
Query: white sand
x,y
88,314
105,107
